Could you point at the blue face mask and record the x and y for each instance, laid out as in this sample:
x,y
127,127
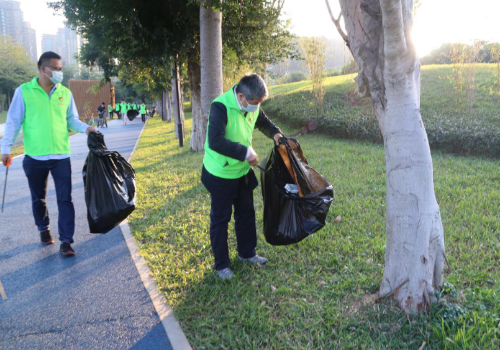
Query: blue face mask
x,y
250,108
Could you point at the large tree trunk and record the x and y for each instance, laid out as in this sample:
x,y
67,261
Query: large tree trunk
x,y
378,35
199,128
211,61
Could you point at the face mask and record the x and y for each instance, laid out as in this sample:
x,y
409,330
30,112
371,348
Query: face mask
x,y
57,77
250,108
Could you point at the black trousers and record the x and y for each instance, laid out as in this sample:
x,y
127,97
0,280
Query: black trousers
x,y
143,117
226,193
37,172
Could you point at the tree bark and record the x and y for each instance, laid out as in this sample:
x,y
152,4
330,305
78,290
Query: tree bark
x,y
198,130
211,61
178,118
379,38
168,100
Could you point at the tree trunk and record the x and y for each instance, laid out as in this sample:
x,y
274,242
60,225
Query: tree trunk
x,y
378,33
178,117
169,105
198,131
211,61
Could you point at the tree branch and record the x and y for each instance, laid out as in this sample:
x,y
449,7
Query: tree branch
x,y
337,23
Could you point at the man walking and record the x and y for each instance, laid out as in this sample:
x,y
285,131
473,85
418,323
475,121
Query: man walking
x,y
45,110
227,168
110,111
143,112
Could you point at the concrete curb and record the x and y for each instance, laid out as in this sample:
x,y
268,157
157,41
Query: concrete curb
x,y
174,331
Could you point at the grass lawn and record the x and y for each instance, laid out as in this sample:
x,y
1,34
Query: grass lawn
x,y
318,294
451,126
3,117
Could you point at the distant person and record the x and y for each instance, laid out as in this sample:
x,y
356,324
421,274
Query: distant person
x,y
110,111
153,112
45,110
117,110
227,170
123,110
143,112
101,110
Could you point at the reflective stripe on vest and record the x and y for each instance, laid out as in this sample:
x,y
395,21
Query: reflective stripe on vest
x,y
45,127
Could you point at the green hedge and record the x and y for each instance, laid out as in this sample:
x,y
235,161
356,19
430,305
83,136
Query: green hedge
x,y
449,127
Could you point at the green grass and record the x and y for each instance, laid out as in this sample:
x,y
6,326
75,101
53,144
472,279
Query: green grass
x,y
3,117
451,126
315,295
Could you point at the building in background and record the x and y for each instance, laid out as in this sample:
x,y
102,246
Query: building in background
x,y
12,24
49,43
30,37
67,45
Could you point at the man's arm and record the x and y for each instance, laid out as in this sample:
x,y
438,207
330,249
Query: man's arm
x,y
266,126
15,119
217,134
74,123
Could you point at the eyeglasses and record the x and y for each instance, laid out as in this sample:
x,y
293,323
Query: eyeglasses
x,y
57,69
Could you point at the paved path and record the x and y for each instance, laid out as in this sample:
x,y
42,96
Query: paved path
x,y
95,300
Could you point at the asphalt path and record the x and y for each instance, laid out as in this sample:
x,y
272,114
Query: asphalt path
x,y
95,300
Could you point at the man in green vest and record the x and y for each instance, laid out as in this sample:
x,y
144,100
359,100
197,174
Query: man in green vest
x,y
143,112
227,168
110,111
46,110
117,110
123,110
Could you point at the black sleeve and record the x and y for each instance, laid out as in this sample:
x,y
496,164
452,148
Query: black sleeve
x,y
265,125
217,132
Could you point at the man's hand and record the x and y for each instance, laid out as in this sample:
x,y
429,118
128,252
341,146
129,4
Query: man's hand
x,y
91,129
277,138
6,160
252,157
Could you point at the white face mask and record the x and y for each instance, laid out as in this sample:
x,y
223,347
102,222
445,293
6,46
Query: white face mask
x,y
249,108
57,77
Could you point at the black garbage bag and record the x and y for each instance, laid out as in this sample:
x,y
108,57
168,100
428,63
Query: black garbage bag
x,y
296,197
109,182
131,114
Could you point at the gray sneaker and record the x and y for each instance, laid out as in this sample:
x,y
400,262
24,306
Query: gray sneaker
x,y
254,260
225,274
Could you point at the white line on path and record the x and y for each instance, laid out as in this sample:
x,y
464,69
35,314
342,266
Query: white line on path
x,y
2,291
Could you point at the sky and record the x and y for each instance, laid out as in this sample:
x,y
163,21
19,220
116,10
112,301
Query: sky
x,y
437,21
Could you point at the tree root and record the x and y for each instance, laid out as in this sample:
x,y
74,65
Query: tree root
x,y
391,293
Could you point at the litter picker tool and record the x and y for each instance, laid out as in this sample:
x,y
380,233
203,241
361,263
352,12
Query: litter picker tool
x,y
5,187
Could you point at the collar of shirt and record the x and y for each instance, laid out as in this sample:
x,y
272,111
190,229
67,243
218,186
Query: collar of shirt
x,y
238,102
51,91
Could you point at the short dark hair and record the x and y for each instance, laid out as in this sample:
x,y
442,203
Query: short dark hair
x,y
252,86
103,103
46,57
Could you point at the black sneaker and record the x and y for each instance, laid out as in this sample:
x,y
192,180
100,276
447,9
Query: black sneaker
x,y
66,250
46,238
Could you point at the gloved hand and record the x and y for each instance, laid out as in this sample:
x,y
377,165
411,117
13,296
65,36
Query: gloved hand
x,y
252,157
6,160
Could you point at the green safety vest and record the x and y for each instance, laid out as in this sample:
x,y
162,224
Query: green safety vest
x,y
123,108
117,107
110,108
238,129
143,109
134,107
45,126
128,107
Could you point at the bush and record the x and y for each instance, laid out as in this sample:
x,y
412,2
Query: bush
x,y
293,77
449,127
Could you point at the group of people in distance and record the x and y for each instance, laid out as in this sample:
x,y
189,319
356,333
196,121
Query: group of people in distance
x,y
121,109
